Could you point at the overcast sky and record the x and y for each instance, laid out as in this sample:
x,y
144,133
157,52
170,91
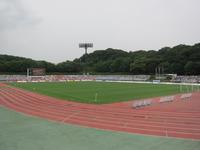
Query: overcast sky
x,y
51,29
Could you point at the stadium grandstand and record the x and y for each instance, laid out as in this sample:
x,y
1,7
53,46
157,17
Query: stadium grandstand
x,y
54,78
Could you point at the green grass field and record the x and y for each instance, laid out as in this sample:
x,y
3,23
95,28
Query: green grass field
x,y
20,132
99,92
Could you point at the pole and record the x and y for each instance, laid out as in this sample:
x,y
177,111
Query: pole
x,y
27,74
187,88
192,87
95,99
85,60
181,88
156,73
85,50
163,70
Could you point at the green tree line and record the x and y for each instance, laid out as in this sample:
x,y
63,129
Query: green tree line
x,y
181,59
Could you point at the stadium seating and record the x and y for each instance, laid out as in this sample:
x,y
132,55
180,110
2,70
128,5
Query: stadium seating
x,y
122,77
186,79
51,78
10,78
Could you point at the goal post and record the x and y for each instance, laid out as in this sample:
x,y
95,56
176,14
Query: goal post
x,y
187,88
35,73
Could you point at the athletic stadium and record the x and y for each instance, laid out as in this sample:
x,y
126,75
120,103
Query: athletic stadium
x,y
99,112
99,75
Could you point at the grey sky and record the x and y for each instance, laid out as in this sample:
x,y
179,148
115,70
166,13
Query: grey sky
x,y
52,29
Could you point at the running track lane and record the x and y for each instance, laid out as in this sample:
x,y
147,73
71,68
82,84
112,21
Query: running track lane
x,y
180,118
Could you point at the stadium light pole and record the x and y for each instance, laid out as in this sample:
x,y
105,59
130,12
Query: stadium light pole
x,y
85,46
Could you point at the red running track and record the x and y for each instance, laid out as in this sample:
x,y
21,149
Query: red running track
x,y
180,118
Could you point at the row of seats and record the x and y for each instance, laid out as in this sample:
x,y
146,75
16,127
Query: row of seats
x,y
186,79
74,77
122,77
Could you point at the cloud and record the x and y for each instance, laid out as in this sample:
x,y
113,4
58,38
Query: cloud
x,y
13,14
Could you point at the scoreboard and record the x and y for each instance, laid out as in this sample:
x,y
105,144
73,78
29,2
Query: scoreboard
x,y
37,71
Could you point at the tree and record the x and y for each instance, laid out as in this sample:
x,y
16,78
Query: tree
x,y
103,66
137,68
192,68
68,66
177,68
120,65
181,59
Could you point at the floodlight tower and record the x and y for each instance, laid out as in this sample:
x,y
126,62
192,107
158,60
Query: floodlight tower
x,y
86,46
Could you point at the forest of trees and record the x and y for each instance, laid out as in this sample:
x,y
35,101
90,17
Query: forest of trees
x,y
181,59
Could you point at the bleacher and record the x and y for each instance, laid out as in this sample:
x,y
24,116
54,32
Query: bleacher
x,y
55,78
186,79
13,78
122,77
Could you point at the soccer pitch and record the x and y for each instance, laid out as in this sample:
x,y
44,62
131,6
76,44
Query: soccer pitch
x,y
99,92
